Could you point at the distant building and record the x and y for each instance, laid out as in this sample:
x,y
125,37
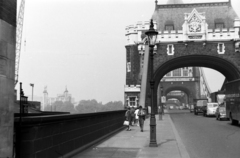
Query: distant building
x,y
64,97
48,101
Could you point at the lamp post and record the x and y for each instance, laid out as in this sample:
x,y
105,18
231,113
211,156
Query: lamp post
x,y
161,104
32,85
161,88
152,36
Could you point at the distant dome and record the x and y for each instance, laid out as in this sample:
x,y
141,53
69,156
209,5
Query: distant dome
x,y
175,2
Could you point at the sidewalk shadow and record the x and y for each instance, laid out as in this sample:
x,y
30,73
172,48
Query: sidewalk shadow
x,y
167,140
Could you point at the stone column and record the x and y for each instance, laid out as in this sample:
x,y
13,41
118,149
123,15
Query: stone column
x,y
7,74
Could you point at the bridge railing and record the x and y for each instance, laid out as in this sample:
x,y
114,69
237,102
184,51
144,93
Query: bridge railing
x,y
63,135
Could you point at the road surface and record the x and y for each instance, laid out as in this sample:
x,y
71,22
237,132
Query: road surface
x,y
205,137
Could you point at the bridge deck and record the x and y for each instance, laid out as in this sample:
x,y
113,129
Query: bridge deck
x,y
135,144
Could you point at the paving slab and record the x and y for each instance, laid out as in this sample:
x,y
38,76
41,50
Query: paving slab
x,y
135,144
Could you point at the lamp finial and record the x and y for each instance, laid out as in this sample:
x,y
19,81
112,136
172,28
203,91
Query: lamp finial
x,y
151,24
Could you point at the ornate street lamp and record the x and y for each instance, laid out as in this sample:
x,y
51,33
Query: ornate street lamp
x,y
152,36
32,85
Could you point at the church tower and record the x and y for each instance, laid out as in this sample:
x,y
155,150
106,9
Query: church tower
x,y
45,98
66,93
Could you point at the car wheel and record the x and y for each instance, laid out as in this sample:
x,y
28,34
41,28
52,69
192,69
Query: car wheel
x,y
234,122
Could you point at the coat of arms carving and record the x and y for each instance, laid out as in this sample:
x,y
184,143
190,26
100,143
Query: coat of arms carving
x,y
194,24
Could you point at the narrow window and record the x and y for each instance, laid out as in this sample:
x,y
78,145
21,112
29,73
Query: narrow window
x,y
185,71
129,67
170,49
220,47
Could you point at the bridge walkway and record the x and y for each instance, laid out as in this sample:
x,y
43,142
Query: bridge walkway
x,y
135,144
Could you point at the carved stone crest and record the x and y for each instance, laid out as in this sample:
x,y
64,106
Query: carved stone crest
x,y
194,24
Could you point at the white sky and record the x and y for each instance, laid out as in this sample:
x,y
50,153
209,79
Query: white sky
x,y
81,44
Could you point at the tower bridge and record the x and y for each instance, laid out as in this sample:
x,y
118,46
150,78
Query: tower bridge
x,y
190,36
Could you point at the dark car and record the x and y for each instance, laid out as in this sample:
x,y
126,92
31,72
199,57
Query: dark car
x,y
198,107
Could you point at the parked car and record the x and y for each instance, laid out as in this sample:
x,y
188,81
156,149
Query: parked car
x,y
221,112
210,109
198,107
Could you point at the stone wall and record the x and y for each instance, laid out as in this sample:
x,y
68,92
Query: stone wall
x,y
132,77
63,135
7,67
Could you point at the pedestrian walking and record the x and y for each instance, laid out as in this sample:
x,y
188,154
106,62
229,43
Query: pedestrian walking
x,y
136,116
141,115
128,118
132,118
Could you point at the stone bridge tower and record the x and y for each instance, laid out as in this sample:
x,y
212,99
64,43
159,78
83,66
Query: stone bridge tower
x,y
7,74
189,35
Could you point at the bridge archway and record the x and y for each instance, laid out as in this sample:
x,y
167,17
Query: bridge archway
x,y
173,101
223,65
181,99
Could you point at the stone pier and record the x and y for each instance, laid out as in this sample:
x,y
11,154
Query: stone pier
x,y
7,73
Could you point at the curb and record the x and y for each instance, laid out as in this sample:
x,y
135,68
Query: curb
x,y
181,147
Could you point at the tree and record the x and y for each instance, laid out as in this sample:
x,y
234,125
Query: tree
x,y
90,106
68,107
60,106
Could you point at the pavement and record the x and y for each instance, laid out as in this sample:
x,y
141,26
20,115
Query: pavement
x,y
135,144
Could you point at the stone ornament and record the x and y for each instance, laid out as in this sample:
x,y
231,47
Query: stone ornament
x,y
194,24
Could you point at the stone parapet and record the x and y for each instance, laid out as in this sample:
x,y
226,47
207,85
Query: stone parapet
x,y
132,88
60,135
135,35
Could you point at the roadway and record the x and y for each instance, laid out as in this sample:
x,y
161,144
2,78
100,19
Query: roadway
x,y
205,137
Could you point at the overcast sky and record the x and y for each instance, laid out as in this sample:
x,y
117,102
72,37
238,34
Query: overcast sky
x,y
81,44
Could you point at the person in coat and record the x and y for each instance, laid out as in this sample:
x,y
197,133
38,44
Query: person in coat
x,y
141,115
